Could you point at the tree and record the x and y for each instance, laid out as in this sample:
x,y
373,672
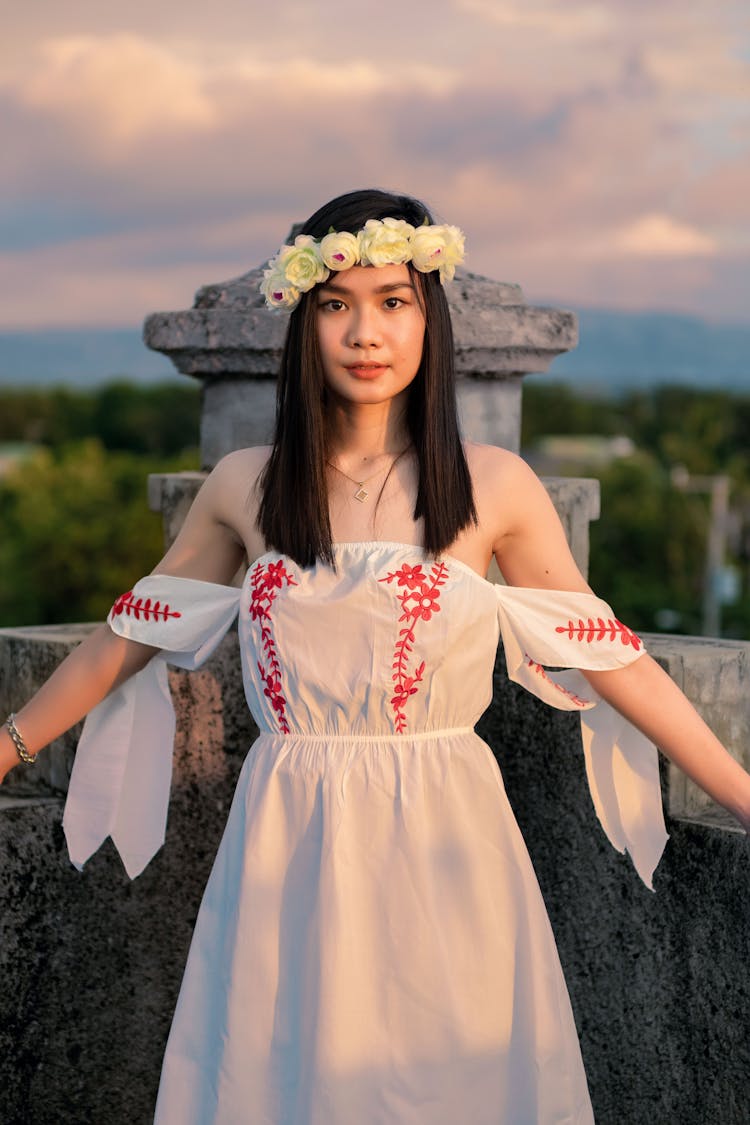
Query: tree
x,y
159,420
648,550
76,532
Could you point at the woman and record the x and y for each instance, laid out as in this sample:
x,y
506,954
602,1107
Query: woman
x,y
372,946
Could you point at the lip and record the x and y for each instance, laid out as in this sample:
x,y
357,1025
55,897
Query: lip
x,y
366,370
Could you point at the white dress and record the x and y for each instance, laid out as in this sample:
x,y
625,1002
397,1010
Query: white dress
x,y
372,947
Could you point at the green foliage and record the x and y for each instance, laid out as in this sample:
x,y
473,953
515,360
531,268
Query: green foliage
x,y
555,408
706,431
76,531
648,549
160,420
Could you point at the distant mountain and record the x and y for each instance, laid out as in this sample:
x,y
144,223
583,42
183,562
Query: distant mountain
x,y
80,357
621,350
618,350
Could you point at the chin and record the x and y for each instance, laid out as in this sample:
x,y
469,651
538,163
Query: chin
x,y
368,392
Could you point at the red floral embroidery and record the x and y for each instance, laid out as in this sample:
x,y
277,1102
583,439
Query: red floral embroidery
x,y
265,580
540,671
596,629
137,608
411,576
419,601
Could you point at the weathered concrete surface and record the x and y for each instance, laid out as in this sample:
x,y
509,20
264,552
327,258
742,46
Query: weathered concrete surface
x,y
233,343
660,982
498,334
236,413
91,962
172,494
27,658
490,413
715,676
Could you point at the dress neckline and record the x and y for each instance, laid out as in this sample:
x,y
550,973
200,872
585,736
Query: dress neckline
x,y
389,544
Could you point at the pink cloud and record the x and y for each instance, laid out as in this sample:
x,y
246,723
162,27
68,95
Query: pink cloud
x,y
598,158
120,87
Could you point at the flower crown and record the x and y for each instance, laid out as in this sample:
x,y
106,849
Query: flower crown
x,y
381,242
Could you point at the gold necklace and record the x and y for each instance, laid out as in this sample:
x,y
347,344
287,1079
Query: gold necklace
x,y
361,494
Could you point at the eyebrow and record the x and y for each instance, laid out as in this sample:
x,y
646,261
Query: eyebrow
x,y
332,286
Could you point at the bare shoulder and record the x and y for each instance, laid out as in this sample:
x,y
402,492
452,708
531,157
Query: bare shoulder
x,y
228,498
232,492
490,460
515,510
219,529
504,485
236,473
242,464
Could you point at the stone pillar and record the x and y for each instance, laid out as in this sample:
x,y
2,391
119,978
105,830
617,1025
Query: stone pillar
x,y
499,339
232,343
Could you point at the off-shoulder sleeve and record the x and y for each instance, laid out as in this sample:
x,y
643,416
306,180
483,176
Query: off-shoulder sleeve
x,y
544,629
123,766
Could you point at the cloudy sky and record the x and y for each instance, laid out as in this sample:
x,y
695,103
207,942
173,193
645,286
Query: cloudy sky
x,y
595,152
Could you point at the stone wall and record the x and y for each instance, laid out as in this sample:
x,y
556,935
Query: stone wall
x,y
91,962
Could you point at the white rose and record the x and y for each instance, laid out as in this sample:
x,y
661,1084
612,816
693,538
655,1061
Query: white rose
x,y
340,250
301,264
279,294
385,243
438,248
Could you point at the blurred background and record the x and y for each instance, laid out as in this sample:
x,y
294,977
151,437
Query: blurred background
x,y
594,153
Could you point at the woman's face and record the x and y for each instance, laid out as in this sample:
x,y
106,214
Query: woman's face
x,y
371,332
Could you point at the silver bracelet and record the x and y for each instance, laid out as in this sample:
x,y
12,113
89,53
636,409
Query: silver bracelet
x,y
21,748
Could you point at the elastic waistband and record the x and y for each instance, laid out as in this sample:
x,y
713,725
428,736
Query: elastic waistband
x,y
417,736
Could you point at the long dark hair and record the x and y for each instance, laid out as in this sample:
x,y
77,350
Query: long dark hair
x,y
293,514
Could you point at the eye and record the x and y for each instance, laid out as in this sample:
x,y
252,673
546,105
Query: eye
x,y
394,302
334,304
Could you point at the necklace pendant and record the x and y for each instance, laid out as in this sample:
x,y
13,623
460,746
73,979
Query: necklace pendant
x,y
361,494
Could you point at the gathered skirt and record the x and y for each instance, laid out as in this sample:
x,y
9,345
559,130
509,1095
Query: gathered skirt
x,y
372,949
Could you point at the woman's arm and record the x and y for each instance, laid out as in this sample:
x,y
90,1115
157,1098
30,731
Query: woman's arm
x,y
529,543
210,546
92,670
531,550
651,700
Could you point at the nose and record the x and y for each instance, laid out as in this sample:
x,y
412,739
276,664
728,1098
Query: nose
x,y
364,330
